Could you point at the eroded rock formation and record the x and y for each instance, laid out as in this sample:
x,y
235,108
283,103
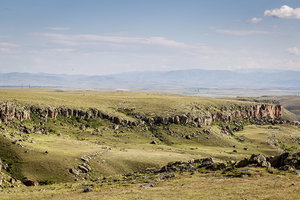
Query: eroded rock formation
x,y
253,112
9,111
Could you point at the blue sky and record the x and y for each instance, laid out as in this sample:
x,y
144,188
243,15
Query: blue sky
x,y
104,37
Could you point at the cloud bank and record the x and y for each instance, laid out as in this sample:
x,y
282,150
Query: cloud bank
x,y
73,40
6,47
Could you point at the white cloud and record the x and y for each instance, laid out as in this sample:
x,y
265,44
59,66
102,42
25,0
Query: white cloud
x,y
255,20
241,32
73,40
7,45
58,28
285,12
63,50
294,51
5,50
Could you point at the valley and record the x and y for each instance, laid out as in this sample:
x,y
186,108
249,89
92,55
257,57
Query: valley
x,y
56,143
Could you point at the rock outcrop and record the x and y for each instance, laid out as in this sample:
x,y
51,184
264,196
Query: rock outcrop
x,y
260,112
9,111
284,161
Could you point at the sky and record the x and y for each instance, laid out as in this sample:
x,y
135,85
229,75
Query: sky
x,y
98,37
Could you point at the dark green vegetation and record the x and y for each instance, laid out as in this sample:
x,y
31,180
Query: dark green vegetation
x,y
56,154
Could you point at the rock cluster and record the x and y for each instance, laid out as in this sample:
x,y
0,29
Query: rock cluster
x,y
193,165
284,161
84,167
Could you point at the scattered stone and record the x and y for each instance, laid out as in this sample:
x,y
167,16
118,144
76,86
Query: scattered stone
x,y
87,189
84,159
82,127
28,182
115,127
83,169
243,163
87,166
153,142
74,171
12,180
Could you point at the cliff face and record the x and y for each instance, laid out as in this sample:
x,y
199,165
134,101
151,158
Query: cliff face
x,y
255,112
9,111
258,112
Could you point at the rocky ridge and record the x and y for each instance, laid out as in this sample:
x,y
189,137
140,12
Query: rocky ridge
x,y
261,112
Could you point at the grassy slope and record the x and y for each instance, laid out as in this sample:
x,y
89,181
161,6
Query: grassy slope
x,y
260,185
147,103
291,103
131,150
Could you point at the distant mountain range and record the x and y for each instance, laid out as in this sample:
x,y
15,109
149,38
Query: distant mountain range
x,y
158,80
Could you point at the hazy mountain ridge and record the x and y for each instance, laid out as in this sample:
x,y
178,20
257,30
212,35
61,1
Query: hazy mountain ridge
x,y
157,79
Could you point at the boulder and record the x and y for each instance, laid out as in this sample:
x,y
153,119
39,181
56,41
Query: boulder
x,y
83,169
260,160
153,142
278,161
87,189
286,159
87,166
242,163
176,120
216,166
74,171
28,182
